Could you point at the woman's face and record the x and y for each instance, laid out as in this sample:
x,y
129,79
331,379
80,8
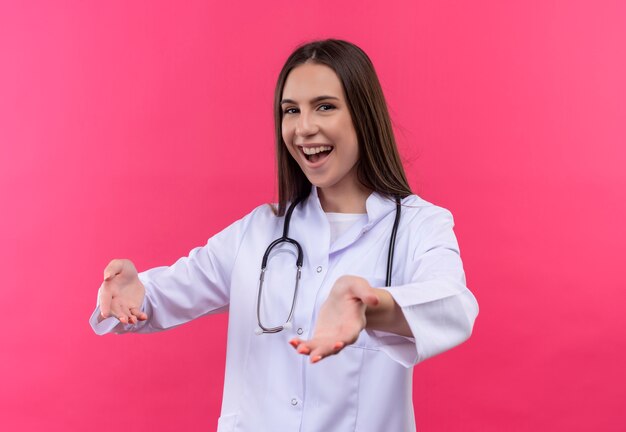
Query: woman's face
x,y
317,127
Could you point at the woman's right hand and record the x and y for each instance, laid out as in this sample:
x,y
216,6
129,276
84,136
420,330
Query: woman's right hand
x,y
121,293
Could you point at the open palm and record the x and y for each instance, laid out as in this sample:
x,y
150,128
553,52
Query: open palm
x,y
121,293
341,318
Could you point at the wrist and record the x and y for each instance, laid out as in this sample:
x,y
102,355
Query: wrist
x,y
387,315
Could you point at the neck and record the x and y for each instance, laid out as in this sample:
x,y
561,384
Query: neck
x,y
344,200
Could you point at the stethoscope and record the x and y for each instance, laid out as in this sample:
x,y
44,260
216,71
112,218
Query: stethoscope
x,y
286,239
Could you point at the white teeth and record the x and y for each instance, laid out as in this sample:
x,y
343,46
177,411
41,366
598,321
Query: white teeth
x,y
315,150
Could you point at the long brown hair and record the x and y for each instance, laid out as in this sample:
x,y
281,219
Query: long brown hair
x,y
379,166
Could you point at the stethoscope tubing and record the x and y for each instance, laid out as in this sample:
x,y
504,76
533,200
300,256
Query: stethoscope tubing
x,y
392,243
299,260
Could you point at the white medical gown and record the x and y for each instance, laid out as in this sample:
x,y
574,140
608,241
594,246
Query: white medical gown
x,y
268,386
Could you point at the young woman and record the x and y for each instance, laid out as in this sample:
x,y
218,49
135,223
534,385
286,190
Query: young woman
x,y
352,271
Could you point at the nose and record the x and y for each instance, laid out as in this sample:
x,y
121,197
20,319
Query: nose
x,y
306,125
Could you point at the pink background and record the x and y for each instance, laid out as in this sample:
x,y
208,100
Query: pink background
x,y
140,128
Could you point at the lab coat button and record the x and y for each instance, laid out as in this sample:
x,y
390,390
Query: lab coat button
x,y
294,401
319,269
300,331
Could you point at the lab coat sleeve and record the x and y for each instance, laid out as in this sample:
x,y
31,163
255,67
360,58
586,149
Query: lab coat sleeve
x,y
195,285
436,303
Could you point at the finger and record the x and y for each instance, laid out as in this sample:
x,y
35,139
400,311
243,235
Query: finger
x,y
129,316
338,347
300,346
104,300
321,352
295,342
303,349
113,268
141,316
122,313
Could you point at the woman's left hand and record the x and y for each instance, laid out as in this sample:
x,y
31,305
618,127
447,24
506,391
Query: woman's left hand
x,y
341,318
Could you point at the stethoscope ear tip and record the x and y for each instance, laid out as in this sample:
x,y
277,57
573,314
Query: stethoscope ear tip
x,y
287,326
258,331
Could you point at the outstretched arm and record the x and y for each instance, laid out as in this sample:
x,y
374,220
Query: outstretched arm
x,y
352,306
433,307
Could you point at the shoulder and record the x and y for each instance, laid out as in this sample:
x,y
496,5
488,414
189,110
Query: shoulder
x,y
260,215
263,213
259,218
418,211
428,225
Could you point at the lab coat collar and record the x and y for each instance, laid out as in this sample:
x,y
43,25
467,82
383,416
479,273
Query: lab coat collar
x,y
377,205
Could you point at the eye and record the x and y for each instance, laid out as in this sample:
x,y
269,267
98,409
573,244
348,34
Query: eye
x,y
290,110
326,107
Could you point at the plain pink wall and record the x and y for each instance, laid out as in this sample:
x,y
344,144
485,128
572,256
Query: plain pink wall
x,y
140,128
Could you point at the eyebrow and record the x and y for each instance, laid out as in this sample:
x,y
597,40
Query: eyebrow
x,y
314,100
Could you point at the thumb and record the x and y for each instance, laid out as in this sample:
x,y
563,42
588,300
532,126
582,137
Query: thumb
x,y
371,299
366,293
115,267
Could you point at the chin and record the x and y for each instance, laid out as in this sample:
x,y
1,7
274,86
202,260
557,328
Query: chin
x,y
320,184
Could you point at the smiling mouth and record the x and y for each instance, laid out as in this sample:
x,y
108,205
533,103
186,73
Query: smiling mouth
x,y
316,154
